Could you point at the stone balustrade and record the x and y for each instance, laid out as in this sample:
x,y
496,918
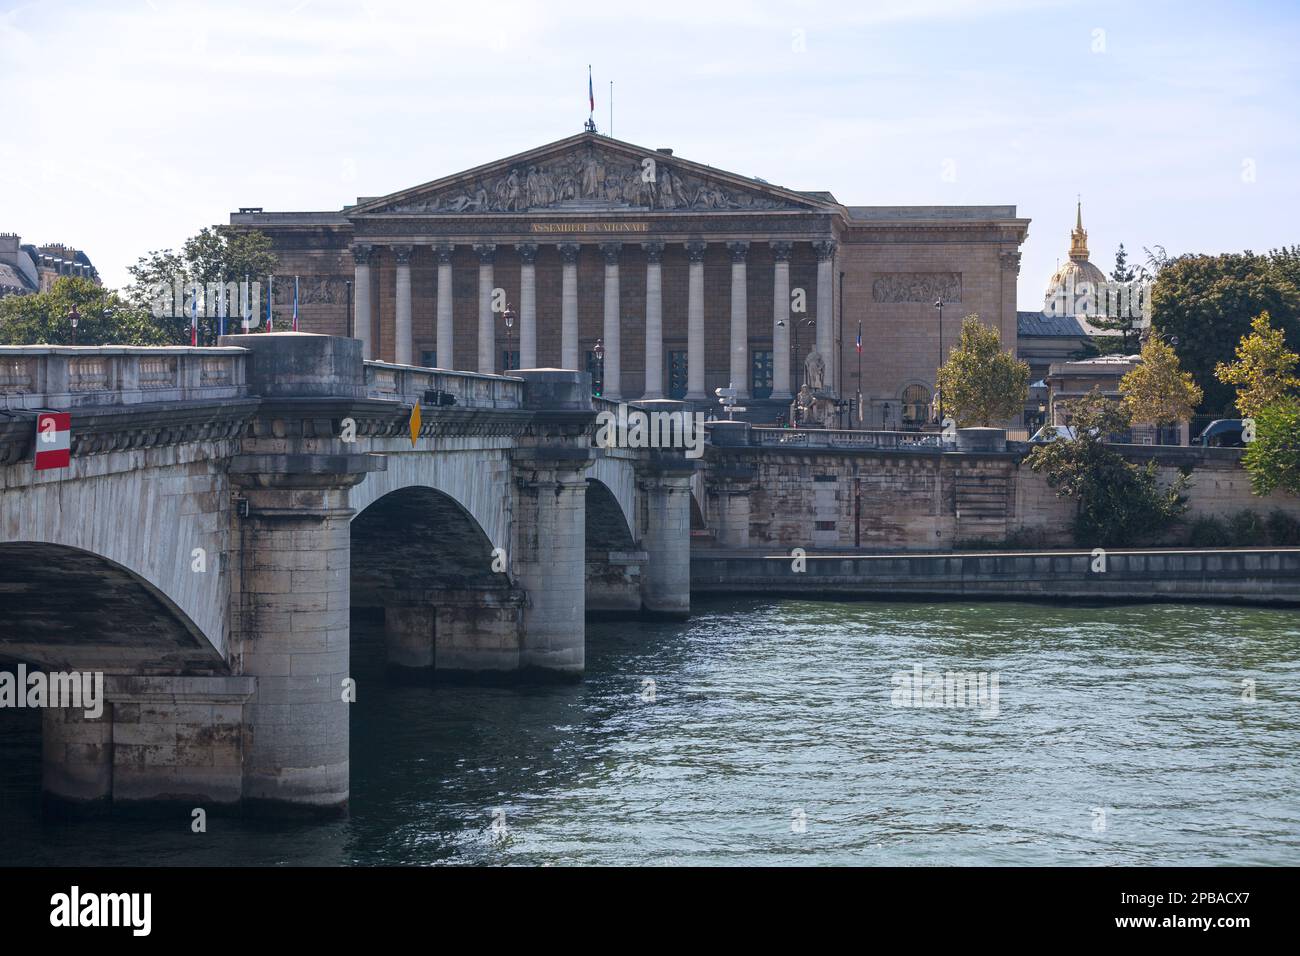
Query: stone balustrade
x,y
64,377
408,383
843,438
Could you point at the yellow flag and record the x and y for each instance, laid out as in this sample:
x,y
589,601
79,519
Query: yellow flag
x,y
415,423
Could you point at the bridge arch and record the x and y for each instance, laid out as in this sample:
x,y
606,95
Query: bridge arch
x,y
423,562
66,608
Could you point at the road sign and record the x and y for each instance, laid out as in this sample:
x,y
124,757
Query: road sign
x,y
53,440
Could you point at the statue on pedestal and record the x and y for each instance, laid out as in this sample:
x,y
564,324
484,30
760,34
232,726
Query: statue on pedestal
x,y
814,370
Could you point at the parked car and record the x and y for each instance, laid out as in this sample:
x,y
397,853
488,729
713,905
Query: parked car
x,y
1222,433
1052,432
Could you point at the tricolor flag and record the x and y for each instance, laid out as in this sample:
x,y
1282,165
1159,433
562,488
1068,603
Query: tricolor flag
x,y
194,317
859,344
270,299
591,93
295,303
53,440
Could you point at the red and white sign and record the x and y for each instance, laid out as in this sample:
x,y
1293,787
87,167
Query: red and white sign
x,y
53,440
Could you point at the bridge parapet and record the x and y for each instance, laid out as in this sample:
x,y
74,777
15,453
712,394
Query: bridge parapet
x,y
408,383
63,377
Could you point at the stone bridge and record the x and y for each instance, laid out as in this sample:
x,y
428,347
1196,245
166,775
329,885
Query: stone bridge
x,y
227,508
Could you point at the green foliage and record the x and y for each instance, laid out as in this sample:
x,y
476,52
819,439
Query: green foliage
x,y
1208,532
1283,529
980,383
1264,370
104,318
1273,458
1125,343
1159,392
1245,529
1208,302
1117,503
216,254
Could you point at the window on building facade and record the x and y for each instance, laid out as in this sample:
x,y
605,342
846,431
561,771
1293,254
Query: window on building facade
x,y
510,359
916,405
429,358
760,373
677,380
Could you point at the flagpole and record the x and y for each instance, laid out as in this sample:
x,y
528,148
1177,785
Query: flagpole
x,y
270,301
860,413
295,303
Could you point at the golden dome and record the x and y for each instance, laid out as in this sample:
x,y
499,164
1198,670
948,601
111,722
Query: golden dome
x,y
1063,288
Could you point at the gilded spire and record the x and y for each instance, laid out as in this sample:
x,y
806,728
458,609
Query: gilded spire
x,y
1079,236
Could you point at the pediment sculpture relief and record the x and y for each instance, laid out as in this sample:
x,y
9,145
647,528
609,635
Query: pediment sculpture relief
x,y
589,179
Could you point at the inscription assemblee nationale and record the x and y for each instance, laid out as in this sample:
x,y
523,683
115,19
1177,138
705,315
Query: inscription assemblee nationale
x,y
591,227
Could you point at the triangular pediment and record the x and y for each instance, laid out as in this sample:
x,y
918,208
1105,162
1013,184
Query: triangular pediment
x,y
590,173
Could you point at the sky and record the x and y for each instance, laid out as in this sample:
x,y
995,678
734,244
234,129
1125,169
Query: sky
x,y
131,125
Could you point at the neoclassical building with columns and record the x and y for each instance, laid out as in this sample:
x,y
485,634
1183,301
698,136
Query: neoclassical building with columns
x,y
664,277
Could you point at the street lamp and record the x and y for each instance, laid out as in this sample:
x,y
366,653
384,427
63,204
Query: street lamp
x,y
938,391
598,350
74,316
810,321
509,316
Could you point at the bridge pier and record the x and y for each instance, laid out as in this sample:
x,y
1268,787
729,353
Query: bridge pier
x,y
665,485
549,467
294,587
460,630
158,740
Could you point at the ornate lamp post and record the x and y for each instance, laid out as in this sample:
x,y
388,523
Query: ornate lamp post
x,y
939,392
74,317
598,350
509,317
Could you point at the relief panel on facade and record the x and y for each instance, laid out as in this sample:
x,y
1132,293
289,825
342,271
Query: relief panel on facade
x,y
916,287
590,178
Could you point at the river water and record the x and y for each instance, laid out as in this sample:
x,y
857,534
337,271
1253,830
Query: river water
x,y
766,732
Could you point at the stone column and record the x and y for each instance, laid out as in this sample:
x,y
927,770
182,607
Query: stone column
x,y
402,328
446,342
487,341
654,320
695,322
569,307
739,365
781,320
362,255
527,304
613,351
666,538
826,308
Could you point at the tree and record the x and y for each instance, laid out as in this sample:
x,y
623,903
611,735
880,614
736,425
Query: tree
x,y
1114,319
1209,302
1273,458
1158,391
1265,368
43,318
980,383
216,254
1117,503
